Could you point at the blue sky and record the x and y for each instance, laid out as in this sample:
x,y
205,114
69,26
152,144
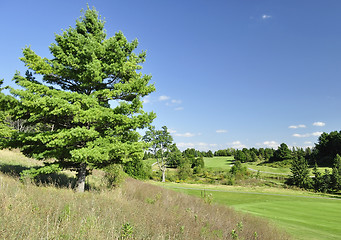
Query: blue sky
x,y
227,73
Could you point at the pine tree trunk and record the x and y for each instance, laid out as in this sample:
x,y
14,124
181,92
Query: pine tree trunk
x,y
80,184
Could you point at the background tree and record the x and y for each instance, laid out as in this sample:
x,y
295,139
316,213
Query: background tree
x,y
268,153
161,142
281,154
318,179
210,154
336,173
6,128
300,173
254,157
238,170
329,144
88,105
240,155
174,156
137,169
198,162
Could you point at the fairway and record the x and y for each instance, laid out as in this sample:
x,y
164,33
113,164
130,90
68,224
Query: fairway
x,y
219,162
305,216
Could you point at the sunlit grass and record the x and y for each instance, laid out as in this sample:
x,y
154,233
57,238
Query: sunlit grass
x,y
137,210
304,214
219,162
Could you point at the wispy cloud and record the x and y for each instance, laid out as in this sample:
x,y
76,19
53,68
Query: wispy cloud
x,y
171,102
297,126
301,135
319,124
176,101
184,145
146,99
187,134
171,131
314,134
237,145
271,144
201,146
221,131
164,98
265,16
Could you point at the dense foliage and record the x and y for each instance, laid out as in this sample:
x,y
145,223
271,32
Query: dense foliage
x,y
328,146
87,108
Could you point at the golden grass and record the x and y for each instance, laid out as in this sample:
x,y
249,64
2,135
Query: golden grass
x,y
138,210
15,157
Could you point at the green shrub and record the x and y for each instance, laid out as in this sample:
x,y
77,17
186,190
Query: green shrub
x,y
197,170
137,169
114,175
238,169
184,172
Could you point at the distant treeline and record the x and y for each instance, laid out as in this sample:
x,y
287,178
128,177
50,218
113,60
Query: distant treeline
x,y
323,154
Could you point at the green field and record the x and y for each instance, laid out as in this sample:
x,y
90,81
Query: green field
x,y
226,162
218,162
302,214
149,161
267,169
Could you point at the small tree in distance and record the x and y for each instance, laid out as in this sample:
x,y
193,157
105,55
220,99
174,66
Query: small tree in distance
x,y
161,142
336,173
300,173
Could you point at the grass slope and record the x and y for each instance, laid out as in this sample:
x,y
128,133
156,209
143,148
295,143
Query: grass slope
x,y
304,215
137,210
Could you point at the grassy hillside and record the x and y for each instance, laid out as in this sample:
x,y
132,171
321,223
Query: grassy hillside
x,y
305,215
137,210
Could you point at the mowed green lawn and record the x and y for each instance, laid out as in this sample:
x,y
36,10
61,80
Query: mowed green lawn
x,y
304,215
219,162
214,163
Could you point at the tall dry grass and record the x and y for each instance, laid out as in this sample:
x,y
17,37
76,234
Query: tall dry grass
x,y
136,211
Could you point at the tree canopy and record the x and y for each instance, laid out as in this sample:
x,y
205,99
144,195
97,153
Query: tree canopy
x,y
328,146
87,107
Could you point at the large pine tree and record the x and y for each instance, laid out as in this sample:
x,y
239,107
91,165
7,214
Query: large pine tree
x,y
88,106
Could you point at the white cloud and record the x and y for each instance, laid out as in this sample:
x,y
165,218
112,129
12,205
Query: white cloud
x,y
171,131
171,102
146,99
176,101
221,131
308,143
184,145
187,134
213,145
297,126
238,145
264,16
319,124
301,135
271,144
314,134
201,146
163,98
